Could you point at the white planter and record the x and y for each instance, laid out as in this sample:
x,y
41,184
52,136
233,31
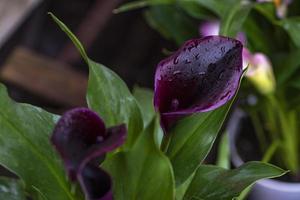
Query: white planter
x,y
268,189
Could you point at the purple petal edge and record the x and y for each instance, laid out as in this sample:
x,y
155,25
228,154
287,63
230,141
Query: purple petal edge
x,y
201,76
82,141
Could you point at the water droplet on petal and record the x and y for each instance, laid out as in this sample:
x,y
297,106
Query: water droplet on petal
x,y
187,61
175,60
176,72
99,139
221,75
222,50
174,104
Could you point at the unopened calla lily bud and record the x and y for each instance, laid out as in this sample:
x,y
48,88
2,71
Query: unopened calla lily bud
x,y
260,72
82,140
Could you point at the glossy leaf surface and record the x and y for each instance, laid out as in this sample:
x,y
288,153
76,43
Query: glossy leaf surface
x,y
108,95
144,172
192,139
211,182
26,150
144,96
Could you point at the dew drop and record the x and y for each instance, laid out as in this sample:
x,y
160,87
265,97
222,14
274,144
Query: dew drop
x,y
222,50
187,61
221,75
99,139
176,72
174,104
175,60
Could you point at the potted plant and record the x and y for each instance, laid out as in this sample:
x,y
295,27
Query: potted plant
x,y
117,148
273,113
269,96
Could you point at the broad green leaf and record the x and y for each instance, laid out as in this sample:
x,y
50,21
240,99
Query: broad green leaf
x,y
219,7
216,6
232,22
25,149
144,172
268,10
195,10
144,96
295,83
292,26
172,23
140,4
192,139
257,39
108,95
180,190
211,182
285,66
11,189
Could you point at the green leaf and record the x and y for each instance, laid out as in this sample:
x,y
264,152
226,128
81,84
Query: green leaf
x,y
108,95
211,182
219,7
144,96
268,10
292,26
195,10
192,138
141,4
285,66
11,189
172,23
25,149
144,172
232,22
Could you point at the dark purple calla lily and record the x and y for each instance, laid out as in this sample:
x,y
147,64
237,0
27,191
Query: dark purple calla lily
x,y
82,140
201,76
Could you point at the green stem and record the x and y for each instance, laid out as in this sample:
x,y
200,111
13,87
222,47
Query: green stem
x,y
165,142
288,131
259,130
271,151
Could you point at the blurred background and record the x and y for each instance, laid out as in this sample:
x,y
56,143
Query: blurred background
x,y
39,64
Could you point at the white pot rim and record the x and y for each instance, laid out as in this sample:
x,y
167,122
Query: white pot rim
x,y
237,160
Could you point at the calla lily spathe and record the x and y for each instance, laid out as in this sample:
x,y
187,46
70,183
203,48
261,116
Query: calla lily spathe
x,y
82,141
202,75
